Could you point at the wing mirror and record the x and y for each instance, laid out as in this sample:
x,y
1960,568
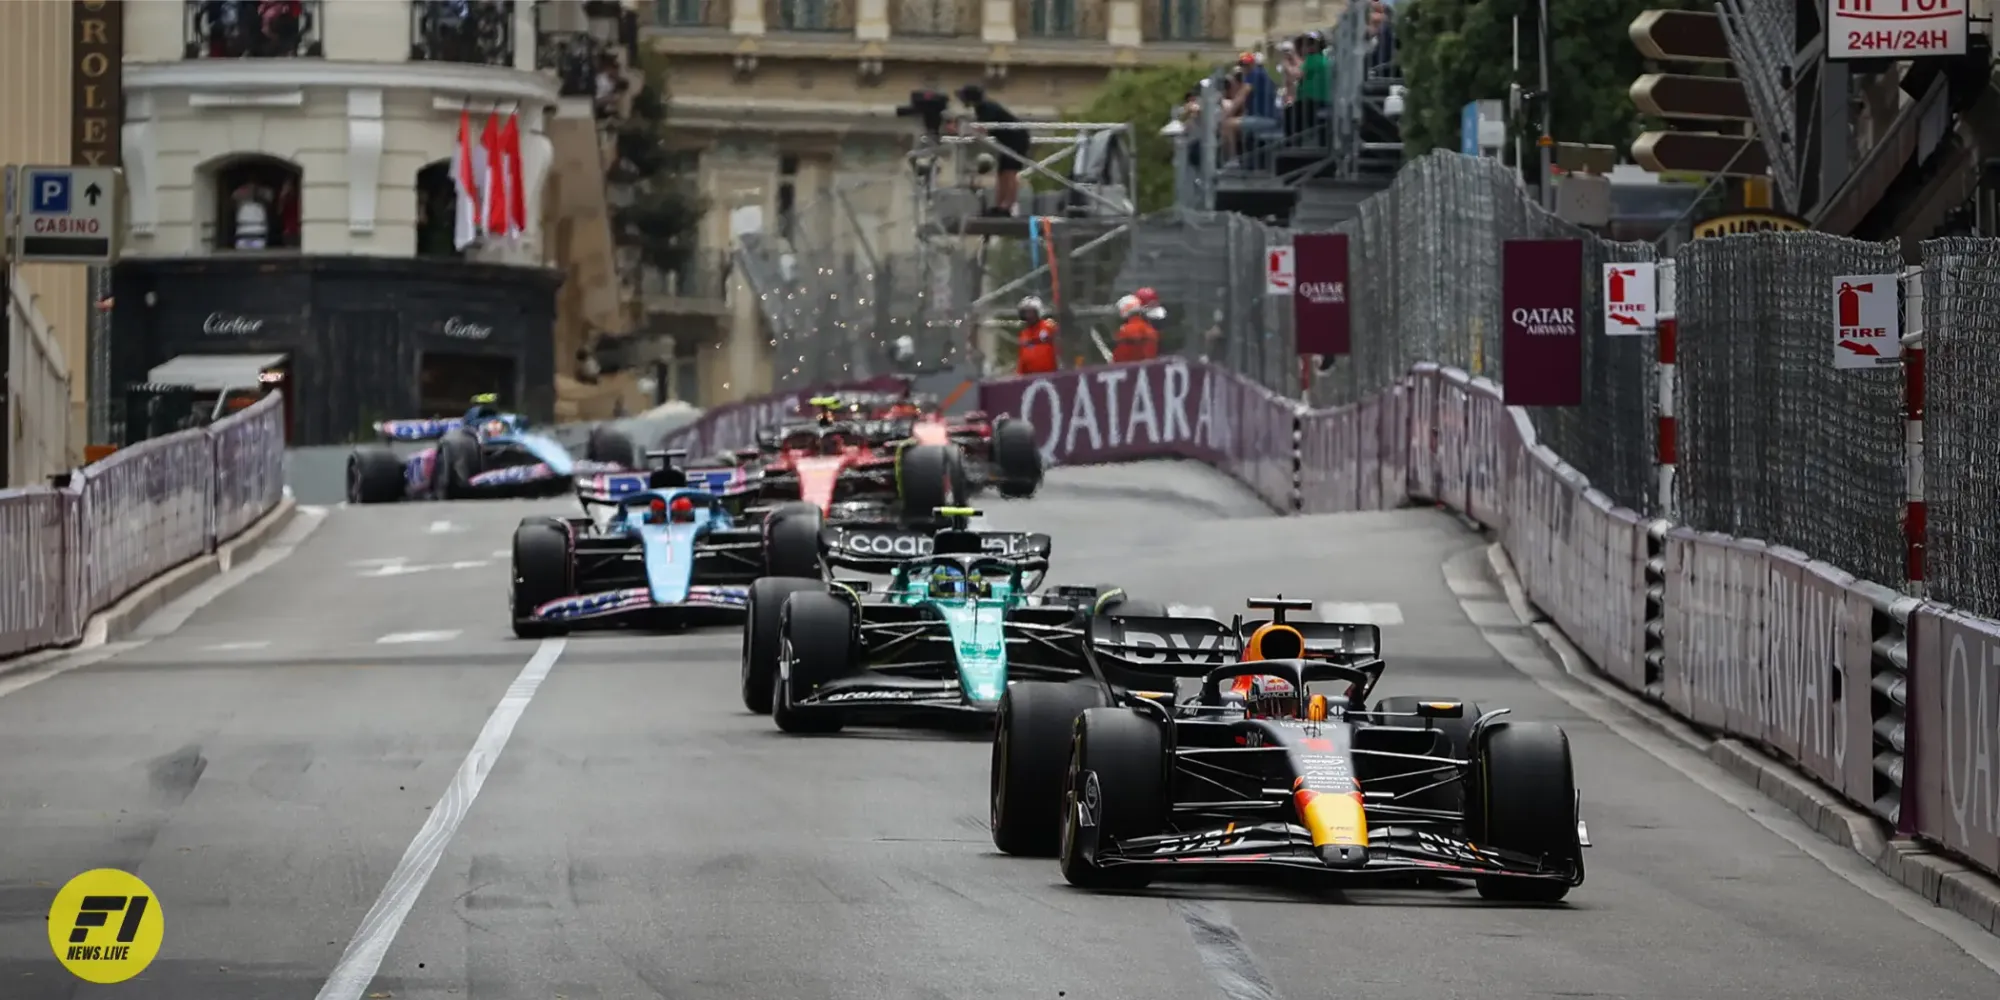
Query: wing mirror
x,y
1440,710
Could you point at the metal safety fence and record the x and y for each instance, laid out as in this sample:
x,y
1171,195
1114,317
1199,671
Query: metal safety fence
x,y
1781,606
70,551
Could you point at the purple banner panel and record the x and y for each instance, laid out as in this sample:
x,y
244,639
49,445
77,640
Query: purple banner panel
x,y
1118,413
1955,719
1320,310
1541,312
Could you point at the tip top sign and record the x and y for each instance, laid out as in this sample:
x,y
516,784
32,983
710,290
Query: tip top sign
x,y
1630,302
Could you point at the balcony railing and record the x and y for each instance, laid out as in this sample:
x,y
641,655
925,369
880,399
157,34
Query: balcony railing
x,y
573,58
1060,19
248,29
462,31
703,276
808,15
1187,21
937,18
692,13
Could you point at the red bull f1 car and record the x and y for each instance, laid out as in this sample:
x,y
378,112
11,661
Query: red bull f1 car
x,y
1275,762
484,454
666,555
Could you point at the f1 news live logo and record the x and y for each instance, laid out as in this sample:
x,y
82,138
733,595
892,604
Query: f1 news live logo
x,y
106,925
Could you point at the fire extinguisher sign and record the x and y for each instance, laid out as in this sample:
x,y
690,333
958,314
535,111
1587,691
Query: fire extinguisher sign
x,y
1629,307
1867,332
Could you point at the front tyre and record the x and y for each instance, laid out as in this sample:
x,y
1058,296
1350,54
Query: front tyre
x,y
928,476
1031,737
791,541
818,647
763,637
542,570
1016,460
1524,800
374,475
1116,788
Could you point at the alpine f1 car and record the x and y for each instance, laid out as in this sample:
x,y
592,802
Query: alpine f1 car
x,y
1276,763
937,645
666,556
484,454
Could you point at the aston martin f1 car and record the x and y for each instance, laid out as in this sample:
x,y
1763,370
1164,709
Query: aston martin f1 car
x,y
938,645
667,556
1276,763
484,454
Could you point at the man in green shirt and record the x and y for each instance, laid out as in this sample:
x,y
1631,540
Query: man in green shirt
x,y
1315,90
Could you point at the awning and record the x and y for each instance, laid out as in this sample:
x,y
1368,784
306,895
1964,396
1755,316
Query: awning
x,y
215,372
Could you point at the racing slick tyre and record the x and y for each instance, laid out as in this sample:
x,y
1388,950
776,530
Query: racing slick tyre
x,y
1016,459
1523,799
1449,796
1112,600
458,460
1118,775
1031,737
609,444
929,476
763,636
374,475
819,645
791,541
542,563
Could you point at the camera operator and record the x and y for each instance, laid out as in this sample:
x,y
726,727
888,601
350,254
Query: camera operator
x,y
1014,141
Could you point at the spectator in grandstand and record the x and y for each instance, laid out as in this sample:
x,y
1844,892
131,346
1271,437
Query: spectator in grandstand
x,y
1007,172
1252,111
1138,340
1315,87
1038,339
1290,68
1382,40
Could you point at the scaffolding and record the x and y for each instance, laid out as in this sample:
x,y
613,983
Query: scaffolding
x,y
1066,241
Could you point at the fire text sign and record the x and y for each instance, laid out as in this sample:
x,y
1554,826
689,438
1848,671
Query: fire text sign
x,y
1319,299
1629,302
1866,333
1541,307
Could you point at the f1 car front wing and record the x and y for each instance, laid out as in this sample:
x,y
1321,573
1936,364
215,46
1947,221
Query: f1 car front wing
x,y
1391,850
628,600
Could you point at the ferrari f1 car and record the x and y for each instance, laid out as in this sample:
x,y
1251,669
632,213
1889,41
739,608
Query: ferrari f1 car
x,y
939,644
999,454
835,466
484,454
1275,762
666,556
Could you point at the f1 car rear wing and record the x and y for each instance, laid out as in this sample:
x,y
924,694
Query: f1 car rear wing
x,y
880,546
612,487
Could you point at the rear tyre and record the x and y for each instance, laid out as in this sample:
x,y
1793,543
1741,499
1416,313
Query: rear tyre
x,y
542,570
1031,737
791,541
928,476
763,637
374,475
609,444
1458,743
818,647
1016,459
458,460
1126,755
1524,800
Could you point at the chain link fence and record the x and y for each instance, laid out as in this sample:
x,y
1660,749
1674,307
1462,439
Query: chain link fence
x,y
1775,443
1961,422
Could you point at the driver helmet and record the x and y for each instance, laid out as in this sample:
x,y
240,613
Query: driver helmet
x,y
949,580
484,405
1031,309
1265,697
1149,303
1130,306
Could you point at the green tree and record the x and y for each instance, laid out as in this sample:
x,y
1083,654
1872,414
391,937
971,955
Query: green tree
x,y
1147,98
1454,51
667,207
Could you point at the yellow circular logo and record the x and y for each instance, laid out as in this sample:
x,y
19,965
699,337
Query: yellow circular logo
x,y
106,926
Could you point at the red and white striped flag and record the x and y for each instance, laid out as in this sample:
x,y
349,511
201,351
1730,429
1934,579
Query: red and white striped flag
x,y
465,177
493,187
517,192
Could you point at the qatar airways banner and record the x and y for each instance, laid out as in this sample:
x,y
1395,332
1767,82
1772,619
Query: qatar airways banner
x,y
1541,313
1320,300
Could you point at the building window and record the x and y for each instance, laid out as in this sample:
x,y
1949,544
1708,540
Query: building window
x,y
255,201
437,211
808,15
788,196
1187,20
692,13
462,31
1047,18
943,18
250,29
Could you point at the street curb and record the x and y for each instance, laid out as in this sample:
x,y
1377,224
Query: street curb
x,y
121,618
1942,881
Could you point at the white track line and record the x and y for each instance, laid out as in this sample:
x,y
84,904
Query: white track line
x,y
363,957
400,637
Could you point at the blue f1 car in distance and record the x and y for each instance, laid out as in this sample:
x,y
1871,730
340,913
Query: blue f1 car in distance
x,y
484,454
666,556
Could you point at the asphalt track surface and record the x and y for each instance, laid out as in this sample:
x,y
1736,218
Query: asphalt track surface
x,y
266,765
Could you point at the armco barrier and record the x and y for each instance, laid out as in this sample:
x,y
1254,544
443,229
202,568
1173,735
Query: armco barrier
x,y
1892,703
67,553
